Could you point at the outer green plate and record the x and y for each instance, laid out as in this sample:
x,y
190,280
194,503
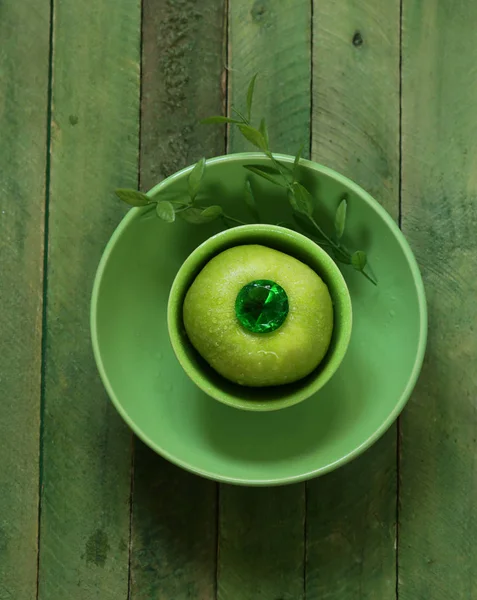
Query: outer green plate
x,y
167,411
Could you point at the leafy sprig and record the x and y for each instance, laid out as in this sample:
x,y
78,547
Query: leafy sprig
x,y
186,208
299,197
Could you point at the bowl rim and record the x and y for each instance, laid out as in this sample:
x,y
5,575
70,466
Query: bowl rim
x,y
318,380
414,372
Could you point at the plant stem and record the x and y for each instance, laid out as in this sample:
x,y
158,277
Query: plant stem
x,y
279,167
241,115
149,208
180,204
322,243
373,281
234,220
330,241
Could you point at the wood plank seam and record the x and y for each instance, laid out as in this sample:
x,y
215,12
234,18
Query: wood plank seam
x,y
133,454
398,423
45,285
131,499
400,124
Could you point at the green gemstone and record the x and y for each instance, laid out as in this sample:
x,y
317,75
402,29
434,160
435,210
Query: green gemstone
x,y
261,306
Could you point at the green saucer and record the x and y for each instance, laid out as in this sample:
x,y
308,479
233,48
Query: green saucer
x,y
166,410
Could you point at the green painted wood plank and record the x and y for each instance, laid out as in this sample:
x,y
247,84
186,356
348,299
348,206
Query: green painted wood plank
x,y
355,121
261,543
182,82
174,541
24,35
84,528
438,516
261,531
351,528
272,39
174,533
351,514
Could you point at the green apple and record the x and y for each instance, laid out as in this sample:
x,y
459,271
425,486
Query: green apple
x,y
284,355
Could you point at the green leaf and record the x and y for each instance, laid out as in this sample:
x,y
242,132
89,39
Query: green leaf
x,y
250,200
304,223
165,211
300,199
266,173
264,131
296,162
251,87
253,136
132,197
340,218
181,200
359,260
218,119
199,216
195,178
212,212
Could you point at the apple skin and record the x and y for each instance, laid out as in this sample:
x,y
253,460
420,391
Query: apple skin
x,y
285,355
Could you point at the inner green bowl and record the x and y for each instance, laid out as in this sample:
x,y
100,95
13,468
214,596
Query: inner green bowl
x,y
266,398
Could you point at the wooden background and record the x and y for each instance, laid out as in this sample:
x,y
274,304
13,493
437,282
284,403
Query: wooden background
x,y
98,94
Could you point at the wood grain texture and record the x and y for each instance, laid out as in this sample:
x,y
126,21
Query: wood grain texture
x,y
438,517
174,543
174,527
351,528
355,121
84,529
24,35
182,82
351,514
261,531
261,543
272,39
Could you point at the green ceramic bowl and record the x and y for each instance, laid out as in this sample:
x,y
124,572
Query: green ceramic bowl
x,y
176,418
271,398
